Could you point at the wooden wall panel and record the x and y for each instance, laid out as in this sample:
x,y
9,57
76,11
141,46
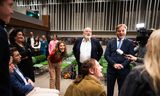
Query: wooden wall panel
x,y
46,20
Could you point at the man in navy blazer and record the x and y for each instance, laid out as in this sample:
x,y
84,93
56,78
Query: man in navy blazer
x,y
118,65
20,85
23,86
6,12
86,47
20,88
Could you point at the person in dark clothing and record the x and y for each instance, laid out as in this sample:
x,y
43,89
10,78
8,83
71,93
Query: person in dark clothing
x,y
26,51
118,65
144,80
5,14
20,84
31,39
86,48
142,38
140,52
137,83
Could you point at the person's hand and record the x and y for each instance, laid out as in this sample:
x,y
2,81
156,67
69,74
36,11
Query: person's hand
x,y
131,57
118,66
31,82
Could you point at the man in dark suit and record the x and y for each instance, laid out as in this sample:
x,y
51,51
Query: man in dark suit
x,y
31,40
20,84
86,47
5,15
118,65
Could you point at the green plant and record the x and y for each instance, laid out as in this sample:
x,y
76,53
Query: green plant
x,y
40,58
104,64
74,62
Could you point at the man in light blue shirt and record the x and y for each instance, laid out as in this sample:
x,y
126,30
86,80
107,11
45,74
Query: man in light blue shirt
x,y
20,85
118,64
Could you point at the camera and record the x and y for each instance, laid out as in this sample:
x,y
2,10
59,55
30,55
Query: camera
x,y
143,34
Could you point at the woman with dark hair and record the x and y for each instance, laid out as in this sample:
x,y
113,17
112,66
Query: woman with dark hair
x,y
26,66
88,83
55,60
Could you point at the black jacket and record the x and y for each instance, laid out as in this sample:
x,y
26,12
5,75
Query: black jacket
x,y
138,83
4,61
26,64
113,57
96,49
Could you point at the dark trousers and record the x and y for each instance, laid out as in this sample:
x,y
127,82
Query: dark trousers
x,y
79,68
112,76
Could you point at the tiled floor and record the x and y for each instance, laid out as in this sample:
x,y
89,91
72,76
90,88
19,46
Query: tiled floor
x,y
43,81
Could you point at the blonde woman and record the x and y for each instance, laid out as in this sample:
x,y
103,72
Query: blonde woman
x,y
145,80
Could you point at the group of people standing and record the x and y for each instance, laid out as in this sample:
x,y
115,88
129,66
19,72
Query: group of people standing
x,y
56,52
143,80
118,66
39,44
18,75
